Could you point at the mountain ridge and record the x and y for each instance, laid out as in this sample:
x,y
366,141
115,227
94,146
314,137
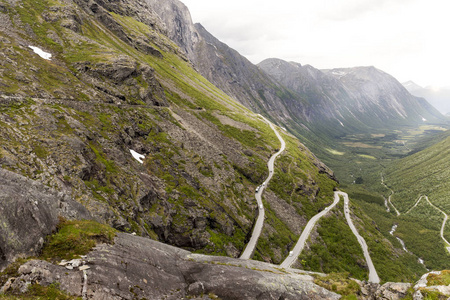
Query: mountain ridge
x,y
117,85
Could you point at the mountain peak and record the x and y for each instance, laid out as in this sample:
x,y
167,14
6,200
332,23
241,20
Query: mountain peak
x,y
411,86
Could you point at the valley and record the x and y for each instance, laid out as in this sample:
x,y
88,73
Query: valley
x,y
367,182
133,145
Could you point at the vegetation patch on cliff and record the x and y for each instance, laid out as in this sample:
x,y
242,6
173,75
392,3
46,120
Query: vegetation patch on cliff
x,y
75,238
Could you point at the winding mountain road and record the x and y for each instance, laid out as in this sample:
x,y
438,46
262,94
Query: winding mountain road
x,y
373,276
305,234
250,248
447,244
389,199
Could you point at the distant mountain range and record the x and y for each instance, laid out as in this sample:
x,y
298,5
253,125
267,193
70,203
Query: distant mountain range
x,y
127,113
301,98
438,97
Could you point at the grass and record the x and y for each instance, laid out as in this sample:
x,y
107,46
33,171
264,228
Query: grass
x,y
39,292
335,152
339,283
432,295
75,238
336,250
441,279
423,173
409,176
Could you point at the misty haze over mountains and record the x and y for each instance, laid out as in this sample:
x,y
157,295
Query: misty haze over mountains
x,y
438,97
341,100
143,158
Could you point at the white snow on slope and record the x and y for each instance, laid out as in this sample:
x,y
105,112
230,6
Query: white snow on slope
x,y
137,156
41,53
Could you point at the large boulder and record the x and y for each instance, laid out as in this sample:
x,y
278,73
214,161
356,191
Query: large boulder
x,y
28,212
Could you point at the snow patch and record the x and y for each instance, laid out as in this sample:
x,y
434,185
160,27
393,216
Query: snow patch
x,y
41,53
338,73
137,156
423,119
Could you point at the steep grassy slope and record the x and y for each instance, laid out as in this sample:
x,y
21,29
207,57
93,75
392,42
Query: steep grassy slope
x,y
116,83
333,248
425,173
356,120
377,160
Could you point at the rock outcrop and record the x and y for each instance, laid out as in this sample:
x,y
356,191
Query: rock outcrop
x,y
29,211
177,18
136,267
72,121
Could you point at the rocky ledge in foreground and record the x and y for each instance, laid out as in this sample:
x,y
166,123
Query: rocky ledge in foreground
x,y
29,211
139,268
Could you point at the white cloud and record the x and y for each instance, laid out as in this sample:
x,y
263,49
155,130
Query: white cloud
x,y
406,38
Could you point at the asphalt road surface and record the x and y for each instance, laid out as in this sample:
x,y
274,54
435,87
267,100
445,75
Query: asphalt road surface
x,y
250,248
305,234
373,276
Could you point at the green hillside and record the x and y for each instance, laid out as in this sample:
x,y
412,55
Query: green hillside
x,y
425,173
116,83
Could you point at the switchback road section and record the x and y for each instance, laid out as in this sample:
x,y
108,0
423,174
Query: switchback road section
x,y
250,248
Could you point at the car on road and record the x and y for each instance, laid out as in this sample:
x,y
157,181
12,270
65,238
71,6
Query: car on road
x,y
261,206
291,253
257,189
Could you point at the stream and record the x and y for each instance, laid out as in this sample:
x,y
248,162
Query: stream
x,y
391,232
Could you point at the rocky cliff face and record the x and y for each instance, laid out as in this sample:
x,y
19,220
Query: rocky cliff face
x,y
238,77
115,83
177,19
139,268
362,96
29,211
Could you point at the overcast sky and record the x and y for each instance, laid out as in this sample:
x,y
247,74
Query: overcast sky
x,y
407,38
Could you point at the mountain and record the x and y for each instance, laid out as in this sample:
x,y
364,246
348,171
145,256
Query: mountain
x,y
111,86
421,193
358,97
311,103
438,97
110,138
411,86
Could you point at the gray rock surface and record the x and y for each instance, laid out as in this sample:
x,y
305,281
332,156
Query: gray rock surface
x,y
350,95
177,19
393,290
136,267
28,212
